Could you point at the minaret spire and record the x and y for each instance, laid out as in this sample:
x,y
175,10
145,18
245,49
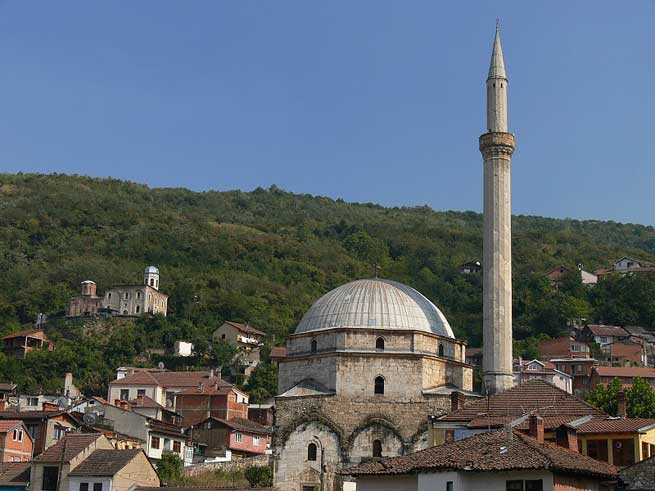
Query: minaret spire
x,y
497,147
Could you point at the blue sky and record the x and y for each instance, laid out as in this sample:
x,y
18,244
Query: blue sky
x,y
362,100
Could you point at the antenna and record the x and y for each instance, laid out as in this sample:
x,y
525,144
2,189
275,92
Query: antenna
x,y
160,365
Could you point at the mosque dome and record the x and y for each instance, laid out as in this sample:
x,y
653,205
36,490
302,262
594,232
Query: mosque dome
x,y
378,304
151,270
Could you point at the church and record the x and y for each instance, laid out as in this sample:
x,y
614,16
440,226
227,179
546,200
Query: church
x,y
373,359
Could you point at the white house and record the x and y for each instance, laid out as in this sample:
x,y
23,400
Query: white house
x,y
498,461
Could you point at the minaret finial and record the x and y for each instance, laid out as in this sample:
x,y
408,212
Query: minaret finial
x,y
497,23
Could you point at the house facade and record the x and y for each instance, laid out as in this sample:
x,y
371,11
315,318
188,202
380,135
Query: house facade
x,y
223,401
15,441
45,428
242,437
605,375
526,370
18,344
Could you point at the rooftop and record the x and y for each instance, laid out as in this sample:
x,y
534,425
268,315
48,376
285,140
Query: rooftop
x,y
279,352
375,303
241,424
245,328
642,372
34,333
602,330
533,395
14,474
639,476
492,451
170,379
9,424
105,462
68,447
615,425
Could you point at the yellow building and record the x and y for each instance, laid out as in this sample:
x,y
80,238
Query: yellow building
x,y
618,441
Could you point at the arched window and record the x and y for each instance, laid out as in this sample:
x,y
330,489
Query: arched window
x,y
138,309
313,346
379,344
440,349
377,448
109,295
311,451
152,282
379,385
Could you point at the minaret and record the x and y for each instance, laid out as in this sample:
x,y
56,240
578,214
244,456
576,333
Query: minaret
x,y
497,146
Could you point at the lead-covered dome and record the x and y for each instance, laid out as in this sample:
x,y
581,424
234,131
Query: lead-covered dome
x,y
375,303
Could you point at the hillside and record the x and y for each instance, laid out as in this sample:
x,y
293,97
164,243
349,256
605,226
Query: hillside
x,y
264,256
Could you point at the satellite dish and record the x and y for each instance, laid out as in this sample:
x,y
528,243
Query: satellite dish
x,y
160,365
169,403
89,419
62,402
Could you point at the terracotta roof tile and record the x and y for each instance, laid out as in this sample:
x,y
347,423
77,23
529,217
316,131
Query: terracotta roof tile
x,y
245,328
625,350
600,330
9,424
70,446
105,462
639,476
492,451
36,333
279,352
169,379
642,372
23,415
198,488
615,425
240,424
534,395
14,474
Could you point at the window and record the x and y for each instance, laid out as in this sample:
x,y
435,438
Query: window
x,y
32,401
125,394
377,448
379,344
379,385
59,432
138,294
578,368
534,485
311,452
109,296
177,447
313,346
18,435
513,485
97,486
137,309
50,474
238,437
255,441
154,442
152,282
603,339
84,486
140,392
449,486
441,349
127,295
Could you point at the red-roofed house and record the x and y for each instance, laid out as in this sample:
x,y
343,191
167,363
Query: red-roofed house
x,y
214,436
159,386
218,401
528,370
625,354
278,353
603,335
564,347
18,344
604,375
16,443
247,338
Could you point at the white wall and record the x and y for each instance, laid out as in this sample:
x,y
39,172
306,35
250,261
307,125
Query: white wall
x,y
74,482
388,483
477,481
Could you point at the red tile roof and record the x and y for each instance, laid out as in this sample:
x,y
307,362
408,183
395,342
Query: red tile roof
x,y
600,330
489,452
105,462
642,372
169,379
34,333
279,352
614,425
23,415
240,424
245,328
165,428
68,447
146,402
533,395
9,424
15,474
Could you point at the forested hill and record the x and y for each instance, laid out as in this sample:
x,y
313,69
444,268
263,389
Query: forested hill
x,y
264,256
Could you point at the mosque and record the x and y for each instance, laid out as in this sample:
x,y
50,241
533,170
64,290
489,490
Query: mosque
x,y
372,359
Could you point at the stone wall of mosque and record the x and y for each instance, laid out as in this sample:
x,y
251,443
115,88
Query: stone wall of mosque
x,y
346,428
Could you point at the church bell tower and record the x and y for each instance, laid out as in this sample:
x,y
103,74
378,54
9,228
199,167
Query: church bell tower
x,y
497,147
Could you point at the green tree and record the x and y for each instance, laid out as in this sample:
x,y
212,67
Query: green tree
x,y
262,383
259,476
640,399
604,397
170,468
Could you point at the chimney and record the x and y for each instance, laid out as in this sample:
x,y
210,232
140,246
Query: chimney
x,y
3,405
211,373
567,437
536,428
49,406
622,410
456,400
